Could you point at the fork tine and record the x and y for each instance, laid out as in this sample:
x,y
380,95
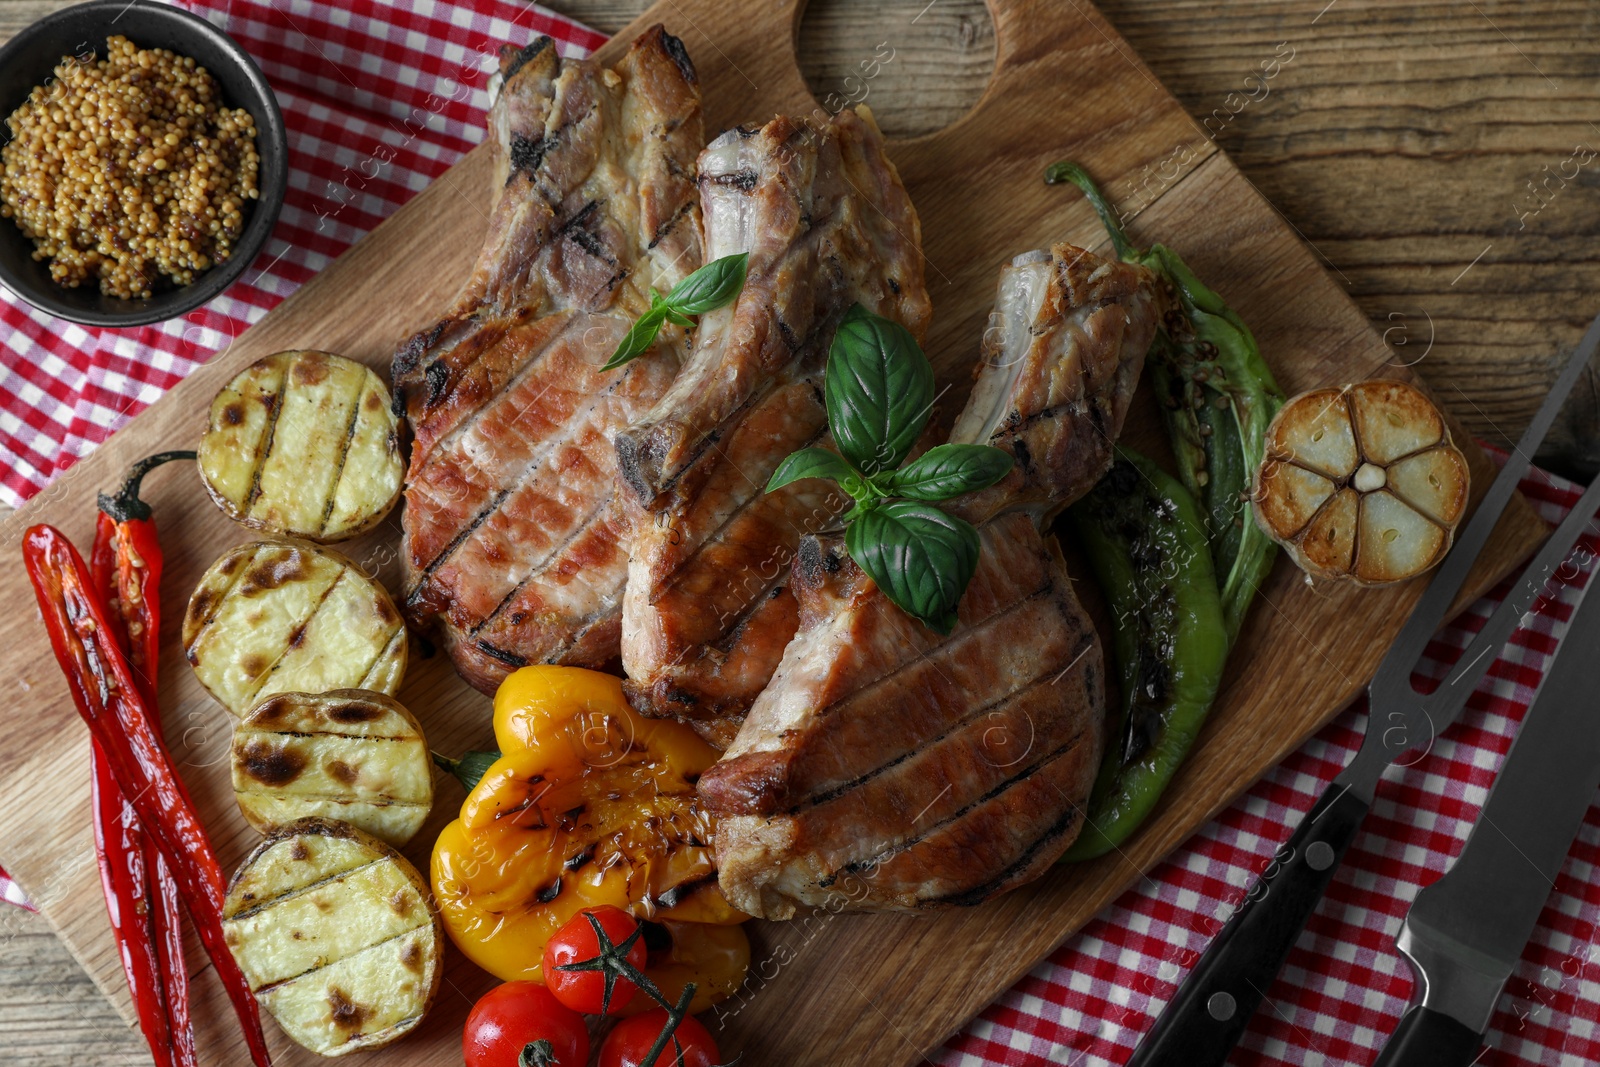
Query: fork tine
x,y
1393,677
1476,658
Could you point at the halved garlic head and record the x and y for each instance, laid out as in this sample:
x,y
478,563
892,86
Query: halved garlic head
x,y
1361,483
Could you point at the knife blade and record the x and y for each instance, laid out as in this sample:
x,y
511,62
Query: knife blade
x,y
1211,1009
1466,931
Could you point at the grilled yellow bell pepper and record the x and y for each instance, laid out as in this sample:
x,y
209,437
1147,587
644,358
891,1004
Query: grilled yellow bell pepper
x,y
589,803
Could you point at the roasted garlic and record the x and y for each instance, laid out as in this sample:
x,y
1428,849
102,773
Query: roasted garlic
x,y
1361,483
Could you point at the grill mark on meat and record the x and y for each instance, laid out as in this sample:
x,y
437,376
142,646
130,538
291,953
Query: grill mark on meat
x,y
437,378
426,574
529,363
524,56
599,203
743,179
978,894
543,565
526,153
444,451
680,57
575,232
405,360
510,659
857,866
715,537
735,633
670,482
536,462
671,224
555,654
974,631
1044,678
539,180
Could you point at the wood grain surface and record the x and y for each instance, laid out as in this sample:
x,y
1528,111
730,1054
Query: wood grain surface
x,y
1326,130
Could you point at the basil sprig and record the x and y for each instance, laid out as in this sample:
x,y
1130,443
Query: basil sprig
x,y
707,289
878,388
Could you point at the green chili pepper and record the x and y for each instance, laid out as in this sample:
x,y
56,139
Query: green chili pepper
x,y
1217,398
470,768
1146,541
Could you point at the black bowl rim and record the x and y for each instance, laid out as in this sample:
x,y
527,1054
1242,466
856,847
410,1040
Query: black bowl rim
x,y
273,137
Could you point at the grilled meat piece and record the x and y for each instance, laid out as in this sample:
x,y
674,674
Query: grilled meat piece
x,y
827,224
888,768
1056,378
516,546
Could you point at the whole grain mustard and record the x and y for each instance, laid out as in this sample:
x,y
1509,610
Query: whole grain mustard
x,y
126,168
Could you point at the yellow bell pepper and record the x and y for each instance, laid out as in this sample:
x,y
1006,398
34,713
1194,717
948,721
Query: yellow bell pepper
x,y
590,803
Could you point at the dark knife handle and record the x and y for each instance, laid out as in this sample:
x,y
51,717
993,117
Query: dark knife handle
x,y
1213,1006
1428,1038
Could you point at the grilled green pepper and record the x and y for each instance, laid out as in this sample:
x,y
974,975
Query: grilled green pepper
x,y
1146,541
1217,398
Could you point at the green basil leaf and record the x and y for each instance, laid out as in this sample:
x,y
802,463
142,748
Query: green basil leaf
x,y
879,390
710,287
640,336
945,471
810,463
919,556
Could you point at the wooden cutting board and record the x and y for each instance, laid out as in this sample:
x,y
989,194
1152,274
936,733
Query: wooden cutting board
x,y
833,989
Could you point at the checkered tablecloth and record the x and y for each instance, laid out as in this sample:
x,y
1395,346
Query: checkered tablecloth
x,y
380,98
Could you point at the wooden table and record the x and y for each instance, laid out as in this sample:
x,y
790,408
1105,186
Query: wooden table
x,y
1417,147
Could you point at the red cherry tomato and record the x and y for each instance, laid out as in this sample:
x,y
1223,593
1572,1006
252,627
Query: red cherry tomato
x,y
509,1017
575,943
629,1043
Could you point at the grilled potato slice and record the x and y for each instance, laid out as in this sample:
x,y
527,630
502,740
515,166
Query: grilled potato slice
x,y
337,936
303,444
350,755
290,617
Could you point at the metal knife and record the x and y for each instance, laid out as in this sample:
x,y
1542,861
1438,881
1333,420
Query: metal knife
x,y
1466,931
1213,1006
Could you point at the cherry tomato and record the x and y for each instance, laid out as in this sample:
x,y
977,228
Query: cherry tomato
x,y
516,1014
576,943
629,1043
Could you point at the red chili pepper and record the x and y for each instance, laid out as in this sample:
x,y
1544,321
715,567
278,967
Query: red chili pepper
x,y
125,871
110,702
141,893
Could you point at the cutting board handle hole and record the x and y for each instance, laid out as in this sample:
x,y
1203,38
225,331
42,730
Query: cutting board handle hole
x,y
920,66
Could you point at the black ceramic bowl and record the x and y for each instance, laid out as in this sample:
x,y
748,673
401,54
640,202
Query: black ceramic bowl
x,y
29,58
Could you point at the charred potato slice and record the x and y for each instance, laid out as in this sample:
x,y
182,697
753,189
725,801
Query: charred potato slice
x,y
290,617
303,444
1361,483
350,755
337,936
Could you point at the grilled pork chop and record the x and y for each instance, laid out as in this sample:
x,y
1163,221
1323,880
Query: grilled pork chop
x,y
1057,377
827,224
888,768
516,548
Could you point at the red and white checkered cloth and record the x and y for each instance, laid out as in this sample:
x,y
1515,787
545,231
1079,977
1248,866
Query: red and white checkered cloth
x,y
380,97
1345,984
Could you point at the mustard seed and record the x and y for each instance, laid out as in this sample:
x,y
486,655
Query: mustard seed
x,y
126,168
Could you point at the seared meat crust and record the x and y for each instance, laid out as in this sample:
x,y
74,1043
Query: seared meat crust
x,y
822,213
907,770
516,547
885,767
